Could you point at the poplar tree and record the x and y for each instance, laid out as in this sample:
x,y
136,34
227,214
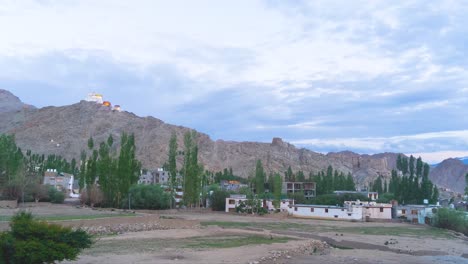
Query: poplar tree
x,y
172,161
191,170
277,189
259,178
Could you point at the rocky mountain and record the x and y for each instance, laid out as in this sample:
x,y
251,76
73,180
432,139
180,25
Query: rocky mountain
x,y
9,102
450,173
64,130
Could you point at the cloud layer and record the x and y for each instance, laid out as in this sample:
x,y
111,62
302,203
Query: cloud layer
x,y
368,76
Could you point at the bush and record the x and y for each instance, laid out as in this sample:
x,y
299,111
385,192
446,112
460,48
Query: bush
x,y
32,241
92,196
451,219
218,200
147,197
39,192
56,196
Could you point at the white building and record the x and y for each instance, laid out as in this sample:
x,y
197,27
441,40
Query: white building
x,y
352,210
94,97
326,212
372,210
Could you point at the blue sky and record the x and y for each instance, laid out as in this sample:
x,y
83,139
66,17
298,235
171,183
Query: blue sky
x,y
366,76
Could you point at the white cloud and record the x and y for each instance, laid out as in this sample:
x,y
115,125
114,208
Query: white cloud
x,y
381,144
438,156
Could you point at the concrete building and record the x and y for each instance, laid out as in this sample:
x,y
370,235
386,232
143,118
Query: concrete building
x,y
159,176
64,182
372,210
308,188
415,213
326,212
352,210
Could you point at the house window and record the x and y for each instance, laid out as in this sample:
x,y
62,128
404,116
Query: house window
x,y
295,209
381,209
326,210
414,212
336,216
232,201
349,214
312,210
403,211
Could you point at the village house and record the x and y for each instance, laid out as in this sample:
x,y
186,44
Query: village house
x,y
352,210
373,211
64,182
415,213
308,188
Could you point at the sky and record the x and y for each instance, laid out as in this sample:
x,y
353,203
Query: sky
x,y
365,76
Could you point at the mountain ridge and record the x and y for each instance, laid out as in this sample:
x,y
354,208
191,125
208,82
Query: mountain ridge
x,y
64,130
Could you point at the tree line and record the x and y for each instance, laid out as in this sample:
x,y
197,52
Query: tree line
x,y
113,170
21,173
412,187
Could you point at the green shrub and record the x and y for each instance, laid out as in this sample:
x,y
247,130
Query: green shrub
x,y
56,196
32,241
150,197
451,219
218,200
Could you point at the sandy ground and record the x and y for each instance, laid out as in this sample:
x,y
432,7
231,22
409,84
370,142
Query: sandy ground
x,y
183,228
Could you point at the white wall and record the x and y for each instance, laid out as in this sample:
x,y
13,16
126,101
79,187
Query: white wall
x,y
354,213
375,213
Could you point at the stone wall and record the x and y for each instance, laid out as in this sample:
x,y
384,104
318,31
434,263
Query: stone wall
x,y
8,204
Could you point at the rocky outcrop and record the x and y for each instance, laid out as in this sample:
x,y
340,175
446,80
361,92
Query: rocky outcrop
x,y
450,173
64,130
10,103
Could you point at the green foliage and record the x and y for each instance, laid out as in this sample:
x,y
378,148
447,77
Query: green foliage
x,y
172,162
298,197
332,180
19,172
56,196
289,175
466,183
414,187
251,206
150,197
218,200
386,198
451,219
278,182
35,242
191,170
228,175
259,178
116,173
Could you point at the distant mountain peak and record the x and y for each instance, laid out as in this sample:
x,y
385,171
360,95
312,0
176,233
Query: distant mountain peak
x,y
10,103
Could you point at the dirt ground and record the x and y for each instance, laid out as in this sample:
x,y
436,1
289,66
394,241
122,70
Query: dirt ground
x,y
213,237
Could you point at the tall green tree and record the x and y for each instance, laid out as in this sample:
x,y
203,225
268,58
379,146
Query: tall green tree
x,y
173,161
277,189
466,184
191,170
128,167
259,178
288,175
